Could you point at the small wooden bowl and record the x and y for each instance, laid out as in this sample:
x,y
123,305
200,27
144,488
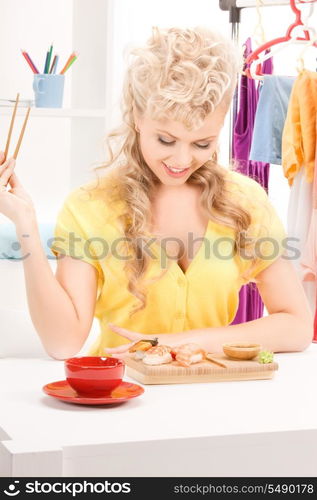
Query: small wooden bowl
x,y
241,350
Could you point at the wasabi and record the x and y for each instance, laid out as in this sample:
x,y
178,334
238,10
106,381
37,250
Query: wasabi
x,y
265,357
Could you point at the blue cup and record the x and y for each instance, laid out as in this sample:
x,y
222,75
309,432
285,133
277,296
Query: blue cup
x,y
48,90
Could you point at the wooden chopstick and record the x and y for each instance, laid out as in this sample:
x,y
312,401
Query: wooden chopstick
x,y
11,127
21,134
216,361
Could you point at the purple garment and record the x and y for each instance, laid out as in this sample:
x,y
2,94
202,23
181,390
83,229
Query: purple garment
x,y
250,302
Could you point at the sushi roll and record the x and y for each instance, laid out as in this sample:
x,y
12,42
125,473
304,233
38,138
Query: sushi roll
x,y
158,355
188,354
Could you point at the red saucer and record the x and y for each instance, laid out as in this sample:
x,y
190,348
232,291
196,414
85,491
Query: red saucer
x,y
62,390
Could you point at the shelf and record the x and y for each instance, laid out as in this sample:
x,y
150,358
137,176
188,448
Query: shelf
x,y
56,112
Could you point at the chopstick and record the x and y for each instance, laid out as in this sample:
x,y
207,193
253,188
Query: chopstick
x,y
21,134
216,361
11,127
15,154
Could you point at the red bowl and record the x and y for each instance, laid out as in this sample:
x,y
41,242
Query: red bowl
x,y
94,376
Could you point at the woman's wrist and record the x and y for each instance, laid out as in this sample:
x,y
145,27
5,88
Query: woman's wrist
x,y
26,221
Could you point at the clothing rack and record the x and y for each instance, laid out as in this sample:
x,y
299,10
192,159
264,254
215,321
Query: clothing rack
x,y
226,4
232,5
234,8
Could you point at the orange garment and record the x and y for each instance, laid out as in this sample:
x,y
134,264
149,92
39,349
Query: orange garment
x,y
299,134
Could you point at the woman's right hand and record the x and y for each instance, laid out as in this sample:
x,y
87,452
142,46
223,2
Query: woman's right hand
x,y
15,204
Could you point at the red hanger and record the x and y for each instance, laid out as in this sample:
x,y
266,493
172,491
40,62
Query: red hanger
x,y
298,22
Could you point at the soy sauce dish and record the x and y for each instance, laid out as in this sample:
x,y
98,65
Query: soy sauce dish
x,y
241,350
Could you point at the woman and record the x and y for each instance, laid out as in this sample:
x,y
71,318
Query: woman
x,y
160,245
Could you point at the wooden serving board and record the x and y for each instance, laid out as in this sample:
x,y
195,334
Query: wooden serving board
x,y
206,371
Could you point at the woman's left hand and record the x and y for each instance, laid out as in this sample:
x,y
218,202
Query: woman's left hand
x,y
128,334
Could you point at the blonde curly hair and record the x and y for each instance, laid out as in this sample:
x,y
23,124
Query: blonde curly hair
x,y
183,75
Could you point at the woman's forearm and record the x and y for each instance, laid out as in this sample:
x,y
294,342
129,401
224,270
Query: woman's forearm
x,y
52,311
278,332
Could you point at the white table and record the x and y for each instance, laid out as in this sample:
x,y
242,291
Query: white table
x,y
244,429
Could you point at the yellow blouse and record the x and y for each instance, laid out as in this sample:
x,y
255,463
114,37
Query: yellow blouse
x,y
206,295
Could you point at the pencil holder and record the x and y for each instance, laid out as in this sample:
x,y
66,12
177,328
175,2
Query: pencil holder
x,y
48,90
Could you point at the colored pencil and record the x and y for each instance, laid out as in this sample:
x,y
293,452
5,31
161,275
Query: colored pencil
x,y
11,127
67,62
45,65
53,63
70,63
49,58
29,61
